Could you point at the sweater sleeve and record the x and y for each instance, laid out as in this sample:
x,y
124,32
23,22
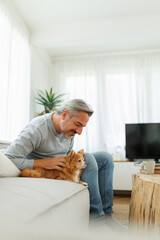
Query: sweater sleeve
x,y
71,145
28,140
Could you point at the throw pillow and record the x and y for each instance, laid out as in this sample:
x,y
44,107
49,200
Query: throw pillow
x,y
7,167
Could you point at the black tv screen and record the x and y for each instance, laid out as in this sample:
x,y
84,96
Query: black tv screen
x,y
143,141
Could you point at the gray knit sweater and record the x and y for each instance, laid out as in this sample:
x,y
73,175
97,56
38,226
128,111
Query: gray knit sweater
x,y
38,140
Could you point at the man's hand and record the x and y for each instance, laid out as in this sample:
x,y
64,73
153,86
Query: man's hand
x,y
50,163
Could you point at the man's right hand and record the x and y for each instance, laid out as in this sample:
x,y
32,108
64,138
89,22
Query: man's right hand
x,y
50,163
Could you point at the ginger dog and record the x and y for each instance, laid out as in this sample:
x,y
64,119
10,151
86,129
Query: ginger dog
x,y
71,172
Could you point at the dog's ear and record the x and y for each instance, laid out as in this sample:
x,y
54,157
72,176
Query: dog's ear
x,y
70,157
81,152
72,154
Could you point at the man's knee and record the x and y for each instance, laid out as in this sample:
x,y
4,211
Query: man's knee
x,y
109,159
105,157
91,162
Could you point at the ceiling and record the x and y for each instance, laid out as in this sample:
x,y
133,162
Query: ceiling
x,y
78,27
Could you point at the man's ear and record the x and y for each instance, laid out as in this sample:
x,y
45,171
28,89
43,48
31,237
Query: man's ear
x,y
81,152
64,114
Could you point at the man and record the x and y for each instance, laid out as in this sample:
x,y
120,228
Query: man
x,y
46,140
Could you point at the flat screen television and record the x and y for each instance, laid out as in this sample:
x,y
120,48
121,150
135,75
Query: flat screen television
x,y
143,141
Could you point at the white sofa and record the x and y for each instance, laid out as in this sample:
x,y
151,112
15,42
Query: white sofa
x,y
32,205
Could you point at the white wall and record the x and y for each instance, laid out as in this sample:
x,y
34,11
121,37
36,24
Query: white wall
x,y
40,77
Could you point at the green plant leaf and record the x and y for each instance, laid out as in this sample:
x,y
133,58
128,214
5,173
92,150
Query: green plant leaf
x,y
48,99
42,98
48,96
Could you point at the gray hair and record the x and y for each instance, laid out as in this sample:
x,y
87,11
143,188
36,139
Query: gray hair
x,y
75,105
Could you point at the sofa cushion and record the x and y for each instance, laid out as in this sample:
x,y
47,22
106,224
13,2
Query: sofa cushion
x,y
43,204
7,167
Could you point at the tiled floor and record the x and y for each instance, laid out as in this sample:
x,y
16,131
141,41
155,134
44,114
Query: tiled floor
x,y
121,209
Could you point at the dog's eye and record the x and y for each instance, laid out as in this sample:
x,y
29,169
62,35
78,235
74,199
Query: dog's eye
x,y
79,160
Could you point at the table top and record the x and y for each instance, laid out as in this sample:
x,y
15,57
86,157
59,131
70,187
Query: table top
x,y
145,177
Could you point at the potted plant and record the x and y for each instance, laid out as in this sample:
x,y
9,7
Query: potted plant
x,y
48,100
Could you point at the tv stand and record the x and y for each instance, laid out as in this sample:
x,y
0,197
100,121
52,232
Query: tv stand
x,y
138,161
122,177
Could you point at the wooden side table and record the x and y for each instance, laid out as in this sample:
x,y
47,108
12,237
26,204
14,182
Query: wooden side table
x,y
145,201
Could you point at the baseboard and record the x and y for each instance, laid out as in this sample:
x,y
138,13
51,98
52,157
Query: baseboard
x,y
124,193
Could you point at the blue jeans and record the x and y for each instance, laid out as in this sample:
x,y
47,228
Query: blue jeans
x,y
99,176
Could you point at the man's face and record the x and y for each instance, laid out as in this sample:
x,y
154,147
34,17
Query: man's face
x,y
74,124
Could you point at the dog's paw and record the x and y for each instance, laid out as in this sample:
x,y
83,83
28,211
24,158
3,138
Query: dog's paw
x,y
85,184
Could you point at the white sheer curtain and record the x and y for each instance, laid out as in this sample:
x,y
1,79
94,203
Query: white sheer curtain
x,y
14,75
121,89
